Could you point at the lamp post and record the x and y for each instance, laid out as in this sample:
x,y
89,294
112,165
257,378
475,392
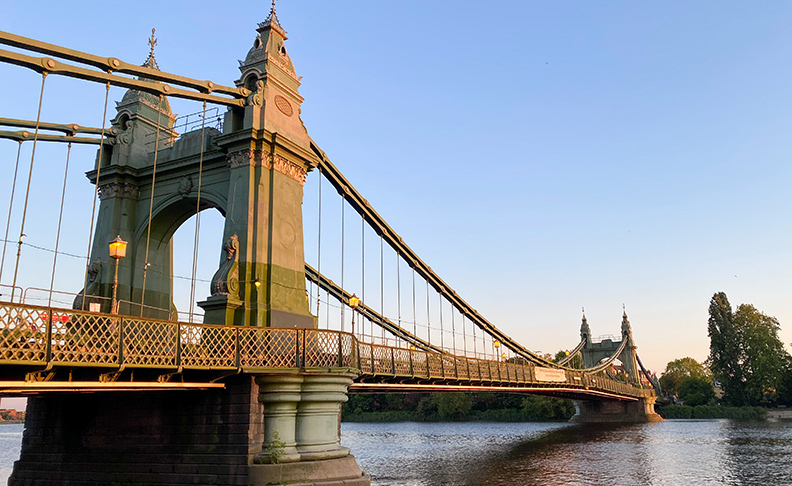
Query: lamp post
x,y
117,252
354,302
496,344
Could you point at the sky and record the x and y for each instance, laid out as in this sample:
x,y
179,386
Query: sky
x,y
541,157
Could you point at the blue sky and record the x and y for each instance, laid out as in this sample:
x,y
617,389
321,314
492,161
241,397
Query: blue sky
x,y
540,156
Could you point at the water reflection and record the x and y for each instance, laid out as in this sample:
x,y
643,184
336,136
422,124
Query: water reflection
x,y
670,453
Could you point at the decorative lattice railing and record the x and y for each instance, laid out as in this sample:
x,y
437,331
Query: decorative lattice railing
x,y
43,336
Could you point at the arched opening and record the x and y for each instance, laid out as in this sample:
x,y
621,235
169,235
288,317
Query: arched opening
x,y
210,235
165,286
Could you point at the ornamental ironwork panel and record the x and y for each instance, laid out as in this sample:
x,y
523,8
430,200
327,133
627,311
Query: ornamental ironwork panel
x,y
419,363
473,369
321,349
205,346
382,360
365,359
149,343
87,338
401,360
23,334
269,348
461,368
348,351
449,368
435,365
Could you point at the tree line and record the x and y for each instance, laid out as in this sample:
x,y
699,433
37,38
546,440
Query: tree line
x,y
452,406
747,363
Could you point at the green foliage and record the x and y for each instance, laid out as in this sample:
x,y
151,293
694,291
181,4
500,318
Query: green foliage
x,y
696,390
746,355
709,412
453,406
427,407
276,448
680,369
725,353
765,363
537,409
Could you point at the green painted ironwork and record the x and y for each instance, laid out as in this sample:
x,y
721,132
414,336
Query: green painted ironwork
x,y
64,338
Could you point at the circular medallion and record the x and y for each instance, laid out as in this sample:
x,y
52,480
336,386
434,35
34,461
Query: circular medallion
x,y
283,105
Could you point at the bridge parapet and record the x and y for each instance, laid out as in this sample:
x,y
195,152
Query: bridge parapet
x,y
112,348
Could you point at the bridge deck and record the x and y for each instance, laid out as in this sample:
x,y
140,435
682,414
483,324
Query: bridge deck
x,y
50,349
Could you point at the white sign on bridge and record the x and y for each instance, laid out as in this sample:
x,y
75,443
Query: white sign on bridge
x,y
549,374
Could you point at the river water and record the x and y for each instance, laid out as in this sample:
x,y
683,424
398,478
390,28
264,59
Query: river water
x,y
676,452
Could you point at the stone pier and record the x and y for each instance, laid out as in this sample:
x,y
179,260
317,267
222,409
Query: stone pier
x,y
616,411
220,437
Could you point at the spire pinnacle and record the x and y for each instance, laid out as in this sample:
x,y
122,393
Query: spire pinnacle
x,y
272,18
151,62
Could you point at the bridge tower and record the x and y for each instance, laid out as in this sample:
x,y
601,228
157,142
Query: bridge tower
x,y
614,410
594,352
272,428
253,173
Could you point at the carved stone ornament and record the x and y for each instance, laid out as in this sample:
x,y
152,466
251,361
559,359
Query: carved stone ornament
x,y
115,189
185,186
287,168
283,105
256,158
226,280
244,158
94,271
256,98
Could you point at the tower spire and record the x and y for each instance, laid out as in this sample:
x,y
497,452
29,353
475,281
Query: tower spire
x,y
151,62
272,19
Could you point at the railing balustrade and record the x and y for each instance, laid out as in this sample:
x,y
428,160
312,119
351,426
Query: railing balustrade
x,y
46,336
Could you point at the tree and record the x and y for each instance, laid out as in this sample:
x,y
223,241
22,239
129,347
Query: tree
x,y
765,362
453,406
746,355
678,371
696,390
725,351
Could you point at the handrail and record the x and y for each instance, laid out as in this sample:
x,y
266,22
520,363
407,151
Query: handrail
x,y
52,337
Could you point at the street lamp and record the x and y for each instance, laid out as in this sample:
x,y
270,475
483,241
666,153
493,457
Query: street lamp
x,y
496,345
117,252
354,302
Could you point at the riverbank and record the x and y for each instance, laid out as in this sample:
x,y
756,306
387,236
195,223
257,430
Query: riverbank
x,y
711,412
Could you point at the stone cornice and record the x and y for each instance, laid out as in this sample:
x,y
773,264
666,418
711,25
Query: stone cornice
x,y
116,189
257,158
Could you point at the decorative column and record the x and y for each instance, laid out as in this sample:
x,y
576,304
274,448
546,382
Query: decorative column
x,y
318,416
280,395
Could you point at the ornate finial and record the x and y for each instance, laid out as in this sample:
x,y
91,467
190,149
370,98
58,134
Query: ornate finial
x,y
272,17
151,62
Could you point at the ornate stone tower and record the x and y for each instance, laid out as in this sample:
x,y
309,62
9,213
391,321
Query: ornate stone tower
x,y
269,153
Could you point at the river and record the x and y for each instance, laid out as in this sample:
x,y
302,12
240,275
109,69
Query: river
x,y
676,452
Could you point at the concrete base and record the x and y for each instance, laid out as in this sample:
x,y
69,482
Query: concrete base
x,y
616,411
331,472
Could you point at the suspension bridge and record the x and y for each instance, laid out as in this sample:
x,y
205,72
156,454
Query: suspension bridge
x,y
247,389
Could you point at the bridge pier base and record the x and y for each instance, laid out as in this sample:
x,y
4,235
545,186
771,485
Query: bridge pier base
x,y
616,411
302,414
217,436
